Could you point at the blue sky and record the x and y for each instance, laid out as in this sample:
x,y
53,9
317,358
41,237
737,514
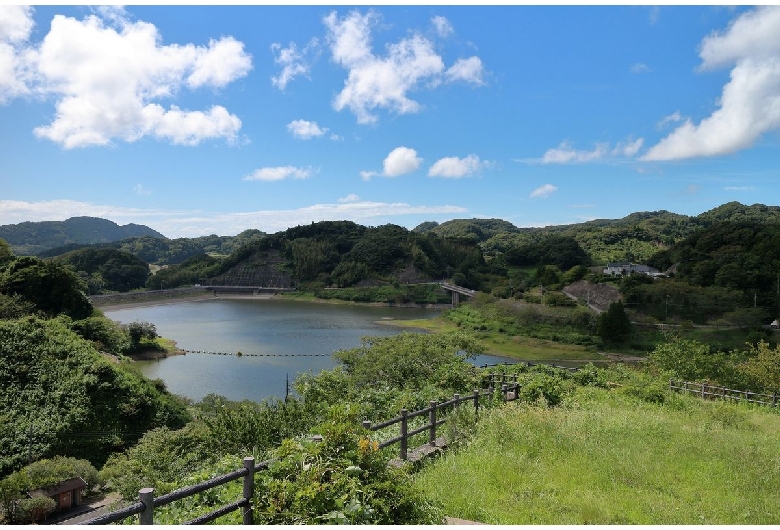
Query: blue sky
x,y
199,120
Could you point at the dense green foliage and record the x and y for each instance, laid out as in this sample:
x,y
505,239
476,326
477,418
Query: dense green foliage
x,y
561,251
335,254
14,505
741,256
58,396
50,287
476,230
106,269
342,480
613,324
31,238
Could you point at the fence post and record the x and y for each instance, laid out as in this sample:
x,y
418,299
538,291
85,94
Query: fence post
x,y
703,385
366,424
456,397
404,433
774,399
476,402
146,496
432,421
249,489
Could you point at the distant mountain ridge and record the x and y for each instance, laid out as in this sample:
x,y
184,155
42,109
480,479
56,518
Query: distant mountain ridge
x,y
635,237
31,238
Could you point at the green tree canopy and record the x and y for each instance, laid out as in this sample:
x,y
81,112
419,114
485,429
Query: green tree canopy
x,y
51,287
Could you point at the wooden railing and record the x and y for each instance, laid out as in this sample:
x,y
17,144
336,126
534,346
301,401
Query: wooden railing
x,y
509,392
706,391
147,502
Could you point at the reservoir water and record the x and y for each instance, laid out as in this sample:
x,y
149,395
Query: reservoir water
x,y
278,331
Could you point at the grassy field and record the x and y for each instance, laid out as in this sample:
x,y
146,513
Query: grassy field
x,y
607,457
516,347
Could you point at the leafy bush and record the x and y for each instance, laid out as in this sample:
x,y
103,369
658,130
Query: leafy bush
x,y
343,479
34,510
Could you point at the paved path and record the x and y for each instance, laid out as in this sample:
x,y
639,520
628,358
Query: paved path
x,y
92,508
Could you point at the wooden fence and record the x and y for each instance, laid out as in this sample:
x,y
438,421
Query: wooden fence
x,y
508,391
147,502
706,391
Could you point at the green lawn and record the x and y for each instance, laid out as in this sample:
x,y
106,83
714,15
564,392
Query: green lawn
x,y
606,457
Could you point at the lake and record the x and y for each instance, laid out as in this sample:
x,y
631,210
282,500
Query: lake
x,y
288,337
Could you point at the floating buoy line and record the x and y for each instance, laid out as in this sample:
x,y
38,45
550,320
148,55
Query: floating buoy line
x,y
242,354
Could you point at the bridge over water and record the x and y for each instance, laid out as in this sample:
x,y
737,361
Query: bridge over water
x,y
457,290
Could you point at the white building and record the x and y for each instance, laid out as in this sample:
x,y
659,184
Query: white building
x,y
624,269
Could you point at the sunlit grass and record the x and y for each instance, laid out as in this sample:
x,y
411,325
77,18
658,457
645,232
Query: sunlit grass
x,y
501,344
608,458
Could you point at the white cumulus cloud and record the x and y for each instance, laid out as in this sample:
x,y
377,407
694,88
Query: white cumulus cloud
x,y
16,23
543,191
107,77
271,174
749,105
400,161
375,82
305,130
455,168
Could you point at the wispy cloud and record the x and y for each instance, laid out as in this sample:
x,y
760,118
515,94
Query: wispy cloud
x,y
385,82
566,154
271,174
640,68
671,119
543,191
141,190
443,26
740,188
294,63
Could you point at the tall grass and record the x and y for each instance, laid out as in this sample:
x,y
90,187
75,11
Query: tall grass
x,y
606,457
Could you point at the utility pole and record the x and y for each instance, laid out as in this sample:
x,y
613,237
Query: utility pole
x,y
286,386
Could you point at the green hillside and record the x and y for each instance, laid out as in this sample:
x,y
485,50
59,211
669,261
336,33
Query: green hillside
x,y
336,253
31,238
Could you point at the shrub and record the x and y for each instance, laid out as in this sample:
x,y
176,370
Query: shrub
x,y
342,479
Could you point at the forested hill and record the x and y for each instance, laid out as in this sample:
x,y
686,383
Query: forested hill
x,y
31,238
335,253
636,237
